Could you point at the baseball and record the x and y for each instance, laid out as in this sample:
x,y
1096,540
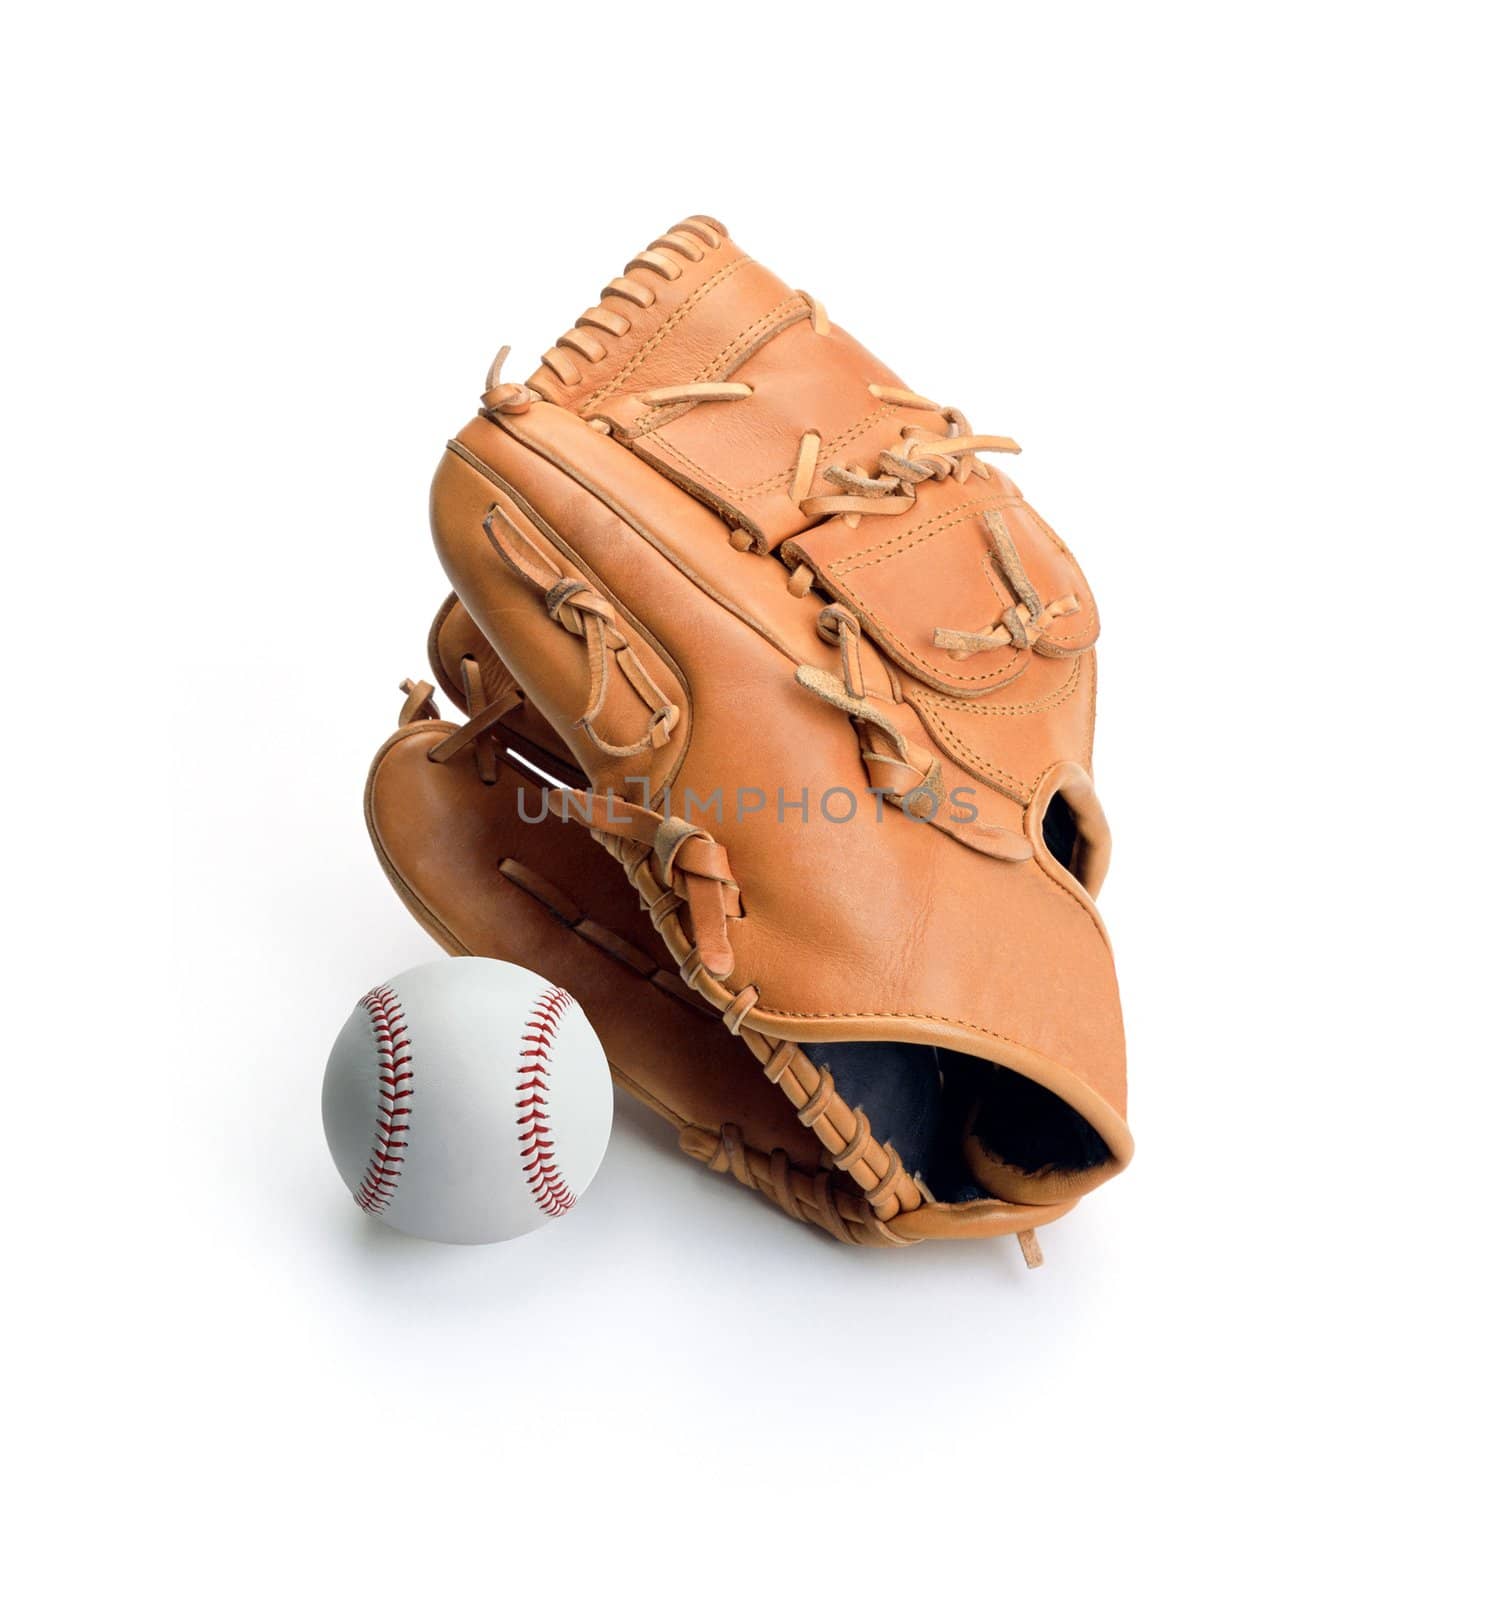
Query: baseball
x,y
467,1101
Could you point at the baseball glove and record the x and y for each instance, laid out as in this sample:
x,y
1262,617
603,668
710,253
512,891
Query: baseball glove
x,y
822,683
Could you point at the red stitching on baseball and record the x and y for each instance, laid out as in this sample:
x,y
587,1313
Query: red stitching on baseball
x,y
394,1092
544,1178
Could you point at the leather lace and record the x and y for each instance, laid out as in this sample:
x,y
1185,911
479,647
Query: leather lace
x,y
658,260
1022,624
906,773
574,604
924,456
484,710
925,453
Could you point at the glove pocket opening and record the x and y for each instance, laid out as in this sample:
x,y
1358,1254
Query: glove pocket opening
x,y
1019,1140
968,1128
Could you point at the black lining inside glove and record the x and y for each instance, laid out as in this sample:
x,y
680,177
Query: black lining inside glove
x,y
926,1101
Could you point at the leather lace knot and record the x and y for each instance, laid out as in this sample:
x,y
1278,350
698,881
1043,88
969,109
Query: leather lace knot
x,y
574,604
1023,624
925,454
688,864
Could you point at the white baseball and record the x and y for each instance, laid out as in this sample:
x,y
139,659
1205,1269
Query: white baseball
x,y
467,1101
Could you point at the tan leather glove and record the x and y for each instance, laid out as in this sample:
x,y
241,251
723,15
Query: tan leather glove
x,y
832,679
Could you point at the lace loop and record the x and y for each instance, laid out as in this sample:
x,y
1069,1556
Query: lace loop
x,y
925,454
1023,624
507,398
837,625
419,704
575,605
905,774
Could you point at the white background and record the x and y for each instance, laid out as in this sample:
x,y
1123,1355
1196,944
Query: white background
x,y
1221,274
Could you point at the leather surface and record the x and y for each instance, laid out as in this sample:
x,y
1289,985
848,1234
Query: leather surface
x,y
699,597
